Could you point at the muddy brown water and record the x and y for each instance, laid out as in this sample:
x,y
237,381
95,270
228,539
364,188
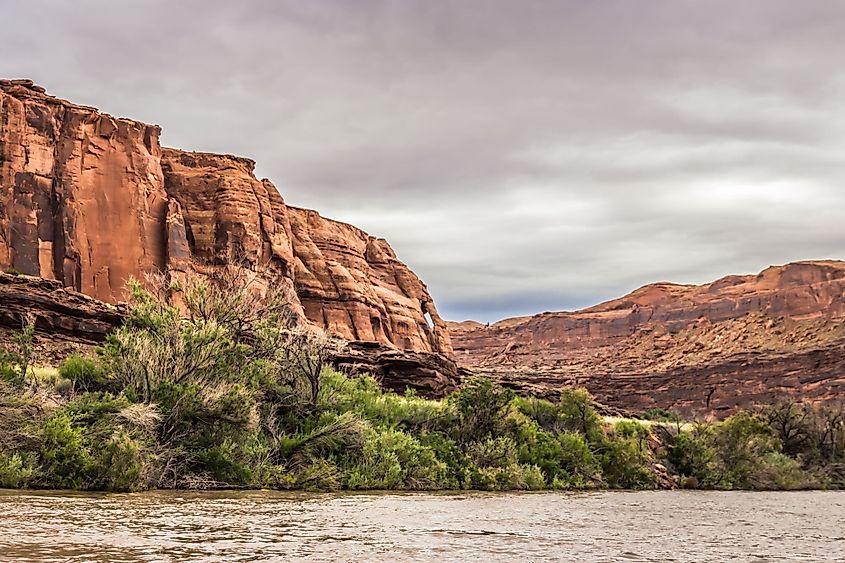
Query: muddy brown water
x,y
269,526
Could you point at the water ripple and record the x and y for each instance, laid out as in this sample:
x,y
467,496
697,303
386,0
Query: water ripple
x,y
269,526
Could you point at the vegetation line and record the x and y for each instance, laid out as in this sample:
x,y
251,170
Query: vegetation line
x,y
225,391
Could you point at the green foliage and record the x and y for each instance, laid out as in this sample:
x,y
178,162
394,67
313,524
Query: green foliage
x,y
391,459
660,415
579,467
15,363
625,458
117,464
65,458
481,409
9,367
17,470
86,374
575,411
742,441
223,392
694,457
742,452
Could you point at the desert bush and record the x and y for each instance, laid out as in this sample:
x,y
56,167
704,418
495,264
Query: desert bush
x,y
18,470
65,458
741,441
481,409
391,459
659,414
625,457
15,362
579,467
86,374
117,464
575,411
777,471
9,367
811,433
693,456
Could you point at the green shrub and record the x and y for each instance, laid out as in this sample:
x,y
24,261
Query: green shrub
x,y
117,464
9,367
481,409
578,412
65,458
579,467
87,374
224,463
574,412
318,475
458,464
660,415
391,459
741,441
90,408
624,458
693,456
778,472
18,470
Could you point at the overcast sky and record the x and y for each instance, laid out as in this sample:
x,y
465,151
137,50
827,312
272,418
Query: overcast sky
x,y
520,156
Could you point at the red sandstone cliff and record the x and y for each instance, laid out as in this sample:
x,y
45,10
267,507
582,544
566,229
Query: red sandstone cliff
x,y
698,349
91,200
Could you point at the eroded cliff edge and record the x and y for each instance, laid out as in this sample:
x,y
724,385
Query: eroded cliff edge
x,y
90,200
705,349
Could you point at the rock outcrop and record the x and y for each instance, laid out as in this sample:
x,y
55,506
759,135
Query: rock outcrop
x,y
90,201
70,322
700,350
430,375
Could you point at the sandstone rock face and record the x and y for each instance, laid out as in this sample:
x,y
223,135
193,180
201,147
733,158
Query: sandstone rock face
x,y
81,193
353,285
348,282
698,349
91,200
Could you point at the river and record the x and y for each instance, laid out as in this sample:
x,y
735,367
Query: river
x,y
269,526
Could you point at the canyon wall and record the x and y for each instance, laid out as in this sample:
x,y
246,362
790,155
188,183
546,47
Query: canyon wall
x,y
91,201
732,343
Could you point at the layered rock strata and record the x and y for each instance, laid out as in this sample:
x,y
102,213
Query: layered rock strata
x,y
91,201
736,342
70,322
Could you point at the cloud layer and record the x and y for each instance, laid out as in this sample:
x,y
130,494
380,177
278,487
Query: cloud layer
x,y
520,156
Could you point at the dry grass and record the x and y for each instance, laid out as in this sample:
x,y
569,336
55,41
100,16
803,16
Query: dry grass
x,y
144,416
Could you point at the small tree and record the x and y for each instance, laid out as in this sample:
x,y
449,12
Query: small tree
x,y
789,420
204,328
15,362
304,353
482,407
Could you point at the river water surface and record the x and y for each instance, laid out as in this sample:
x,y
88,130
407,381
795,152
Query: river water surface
x,y
267,526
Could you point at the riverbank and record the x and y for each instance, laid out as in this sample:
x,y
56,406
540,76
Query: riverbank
x,y
223,394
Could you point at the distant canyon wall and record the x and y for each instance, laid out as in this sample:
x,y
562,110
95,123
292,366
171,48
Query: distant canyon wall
x,y
733,343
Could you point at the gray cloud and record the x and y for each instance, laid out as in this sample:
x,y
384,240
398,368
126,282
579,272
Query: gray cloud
x,y
520,156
